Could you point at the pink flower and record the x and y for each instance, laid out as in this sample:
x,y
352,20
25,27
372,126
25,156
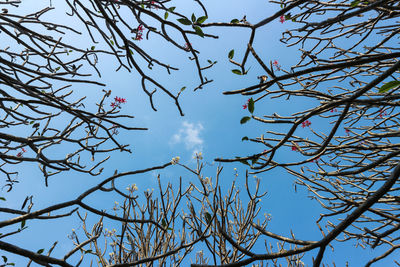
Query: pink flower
x,y
23,150
334,110
140,28
153,3
244,106
112,105
275,63
382,113
282,19
294,148
139,37
347,131
305,123
187,46
120,99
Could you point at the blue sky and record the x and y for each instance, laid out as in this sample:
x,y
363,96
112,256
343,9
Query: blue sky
x,y
210,125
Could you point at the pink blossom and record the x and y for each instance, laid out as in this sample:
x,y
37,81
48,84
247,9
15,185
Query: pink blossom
x,y
120,99
294,148
187,46
382,113
139,37
275,63
282,19
334,110
153,3
19,154
23,150
305,123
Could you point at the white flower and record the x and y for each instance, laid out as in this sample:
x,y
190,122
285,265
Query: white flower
x,y
175,160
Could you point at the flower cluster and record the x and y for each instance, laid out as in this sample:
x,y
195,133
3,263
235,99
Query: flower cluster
x,y
175,160
139,33
282,19
153,4
117,102
23,150
245,105
187,46
276,65
306,123
382,113
132,188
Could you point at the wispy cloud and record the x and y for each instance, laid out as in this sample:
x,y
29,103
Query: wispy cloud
x,y
190,135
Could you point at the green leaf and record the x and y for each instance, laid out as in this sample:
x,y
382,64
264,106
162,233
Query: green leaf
x,y
171,9
193,18
245,138
287,16
388,86
31,122
93,47
3,198
207,216
209,61
354,3
57,68
235,21
231,54
4,259
250,106
112,42
199,31
244,120
185,21
183,88
23,224
40,251
130,50
236,71
202,19
166,15
163,223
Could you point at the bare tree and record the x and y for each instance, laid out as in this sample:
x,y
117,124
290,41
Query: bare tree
x,y
39,71
349,134
348,72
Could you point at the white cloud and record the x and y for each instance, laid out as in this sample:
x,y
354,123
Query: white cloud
x,y
189,135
